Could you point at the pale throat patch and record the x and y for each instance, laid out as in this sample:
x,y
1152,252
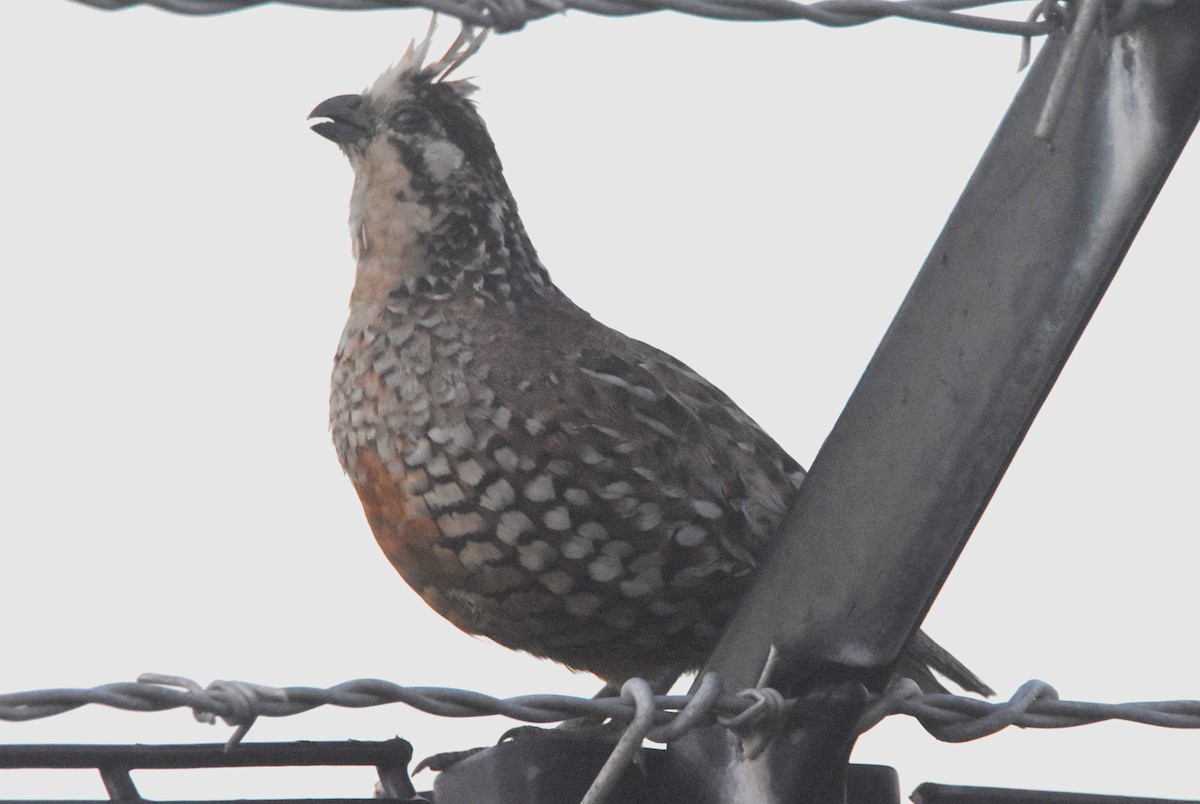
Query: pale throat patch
x,y
385,224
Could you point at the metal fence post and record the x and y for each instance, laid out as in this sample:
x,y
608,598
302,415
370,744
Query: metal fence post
x,y
943,405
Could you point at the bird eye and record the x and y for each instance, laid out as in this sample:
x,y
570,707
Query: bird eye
x,y
410,119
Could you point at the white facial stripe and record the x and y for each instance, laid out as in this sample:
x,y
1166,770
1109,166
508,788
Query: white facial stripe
x,y
441,159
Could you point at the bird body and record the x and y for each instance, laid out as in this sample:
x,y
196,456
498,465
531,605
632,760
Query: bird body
x,y
561,497
537,477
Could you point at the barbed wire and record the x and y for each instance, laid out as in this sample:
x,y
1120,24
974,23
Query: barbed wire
x,y
753,715
1081,17
507,15
950,718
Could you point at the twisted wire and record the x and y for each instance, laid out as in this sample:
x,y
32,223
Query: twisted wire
x,y
506,15
1079,17
754,715
952,718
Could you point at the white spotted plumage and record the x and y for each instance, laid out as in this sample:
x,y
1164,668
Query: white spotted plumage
x,y
539,478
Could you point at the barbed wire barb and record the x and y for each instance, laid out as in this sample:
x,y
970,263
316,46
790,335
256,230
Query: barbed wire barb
x,y
509,15
953,718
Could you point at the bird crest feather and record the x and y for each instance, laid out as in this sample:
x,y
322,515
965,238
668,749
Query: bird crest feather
x,y
412,65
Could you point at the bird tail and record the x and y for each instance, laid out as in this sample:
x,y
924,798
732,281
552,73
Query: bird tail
x,y
923,653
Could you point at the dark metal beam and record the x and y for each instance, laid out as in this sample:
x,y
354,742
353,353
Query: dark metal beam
x,y
984,331
925,438
114,762
954,794
208,755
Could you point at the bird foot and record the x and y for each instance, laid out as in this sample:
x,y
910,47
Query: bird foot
x,y
446,759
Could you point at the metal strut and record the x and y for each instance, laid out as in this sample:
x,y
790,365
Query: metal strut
x,y
912,462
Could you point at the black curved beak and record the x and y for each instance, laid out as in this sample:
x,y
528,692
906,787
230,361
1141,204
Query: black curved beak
x,y
349,119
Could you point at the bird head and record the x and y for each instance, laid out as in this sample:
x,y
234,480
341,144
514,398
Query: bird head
x,y
430,201
429,121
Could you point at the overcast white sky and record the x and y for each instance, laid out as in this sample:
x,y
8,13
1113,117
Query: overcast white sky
x,y
754,198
